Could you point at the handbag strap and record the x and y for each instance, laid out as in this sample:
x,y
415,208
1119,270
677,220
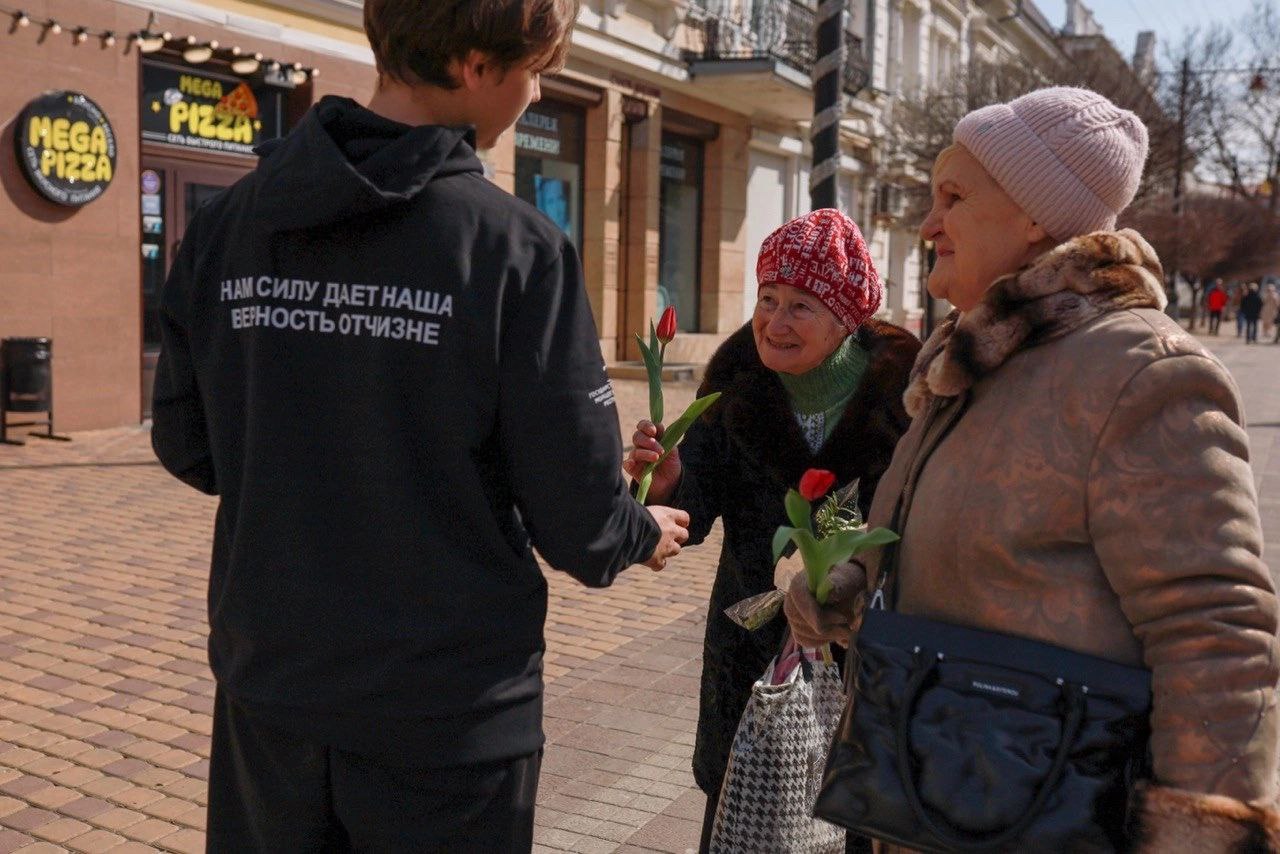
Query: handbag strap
x,y
926,665
939,418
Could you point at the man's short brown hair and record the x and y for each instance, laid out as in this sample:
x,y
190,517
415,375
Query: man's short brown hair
x,y
414,41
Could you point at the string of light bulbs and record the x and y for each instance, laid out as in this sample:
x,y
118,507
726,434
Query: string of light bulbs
x,y
193,50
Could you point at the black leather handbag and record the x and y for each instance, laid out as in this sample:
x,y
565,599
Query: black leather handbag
x,y
960,739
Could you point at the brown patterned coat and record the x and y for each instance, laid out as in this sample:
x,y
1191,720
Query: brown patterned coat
x,y
1095,493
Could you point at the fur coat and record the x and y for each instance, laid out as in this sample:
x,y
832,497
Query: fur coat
x,y
738,462
1078,473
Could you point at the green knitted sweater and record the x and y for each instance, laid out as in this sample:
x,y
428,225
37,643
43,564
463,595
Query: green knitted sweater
x,y
819,396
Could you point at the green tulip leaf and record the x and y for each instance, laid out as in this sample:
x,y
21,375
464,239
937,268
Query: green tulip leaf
x,y
653,336
675,432
798,510
823,592
811,553
653,367
846,544
646,480
781,538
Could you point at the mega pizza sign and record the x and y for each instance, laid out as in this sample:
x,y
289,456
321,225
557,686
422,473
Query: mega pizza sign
x,y
66,147
198,109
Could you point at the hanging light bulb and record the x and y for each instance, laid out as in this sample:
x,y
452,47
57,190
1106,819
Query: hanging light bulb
x,y
109,39
298,75
82,35
196,54
55,28
21,19
315,72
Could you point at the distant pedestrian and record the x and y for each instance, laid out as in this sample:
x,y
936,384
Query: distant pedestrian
x,y
1251,310
1215,301
376,611
1233,308
1270,306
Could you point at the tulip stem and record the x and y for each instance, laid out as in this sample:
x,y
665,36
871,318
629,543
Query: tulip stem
x,y
646,480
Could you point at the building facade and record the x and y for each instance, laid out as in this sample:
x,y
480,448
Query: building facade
x,y
673,142
166,121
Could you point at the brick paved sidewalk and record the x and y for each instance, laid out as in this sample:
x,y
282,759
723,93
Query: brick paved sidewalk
x,y
105,694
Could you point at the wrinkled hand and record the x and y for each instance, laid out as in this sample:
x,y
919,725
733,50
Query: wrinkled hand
x,y
812,624
674,525
645,449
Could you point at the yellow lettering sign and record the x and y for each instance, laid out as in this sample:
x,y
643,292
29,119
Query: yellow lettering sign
x,y
80,137
38,131
98,141
178,115
201,87
208,122
58,140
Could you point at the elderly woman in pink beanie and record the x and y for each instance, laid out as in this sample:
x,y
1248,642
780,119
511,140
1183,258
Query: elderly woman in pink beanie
x,y
812,381
1077,471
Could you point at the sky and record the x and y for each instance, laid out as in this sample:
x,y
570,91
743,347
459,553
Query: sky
x,y
1121,20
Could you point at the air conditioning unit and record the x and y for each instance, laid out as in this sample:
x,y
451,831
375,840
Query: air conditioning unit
x,y
890,201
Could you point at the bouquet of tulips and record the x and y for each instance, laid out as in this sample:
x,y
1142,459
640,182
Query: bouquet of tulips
x,y
654,352
831,535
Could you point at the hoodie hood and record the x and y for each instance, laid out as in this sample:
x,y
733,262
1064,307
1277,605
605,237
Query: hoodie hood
x,y
343,161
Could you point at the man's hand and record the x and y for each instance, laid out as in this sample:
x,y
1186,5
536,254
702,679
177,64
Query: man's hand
x,y
674,525
812,624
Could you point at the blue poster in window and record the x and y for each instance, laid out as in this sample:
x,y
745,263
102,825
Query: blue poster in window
x,y
553,200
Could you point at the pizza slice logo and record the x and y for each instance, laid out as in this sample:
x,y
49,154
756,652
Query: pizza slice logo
x,y
239,101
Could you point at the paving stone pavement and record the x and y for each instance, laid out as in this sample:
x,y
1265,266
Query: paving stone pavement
x,y
105,694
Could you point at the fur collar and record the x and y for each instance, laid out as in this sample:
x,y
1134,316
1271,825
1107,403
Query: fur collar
x,y
1060,291
755,411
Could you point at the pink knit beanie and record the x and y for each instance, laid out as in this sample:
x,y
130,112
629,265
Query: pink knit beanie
x,y
1069,157
823,253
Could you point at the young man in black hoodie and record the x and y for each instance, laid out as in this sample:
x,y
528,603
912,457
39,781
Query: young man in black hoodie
x,y
388,371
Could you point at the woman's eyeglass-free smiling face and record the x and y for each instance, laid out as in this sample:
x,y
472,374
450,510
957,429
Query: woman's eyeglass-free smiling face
x,y
794,331
979,233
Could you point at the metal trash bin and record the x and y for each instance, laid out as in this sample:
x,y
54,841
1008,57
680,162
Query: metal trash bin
x,y
26,384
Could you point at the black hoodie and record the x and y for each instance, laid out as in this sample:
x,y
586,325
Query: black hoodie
x,y
387,369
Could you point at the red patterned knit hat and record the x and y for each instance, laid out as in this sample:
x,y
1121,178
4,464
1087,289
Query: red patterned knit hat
x,y
823,253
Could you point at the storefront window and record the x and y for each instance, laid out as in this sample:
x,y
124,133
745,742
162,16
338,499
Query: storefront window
x,y
549,154
680,228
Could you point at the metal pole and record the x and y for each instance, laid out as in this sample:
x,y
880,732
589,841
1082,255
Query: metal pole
x,y
828,72
1184,75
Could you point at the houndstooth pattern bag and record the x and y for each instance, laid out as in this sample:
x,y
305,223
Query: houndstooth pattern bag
x,y
776,765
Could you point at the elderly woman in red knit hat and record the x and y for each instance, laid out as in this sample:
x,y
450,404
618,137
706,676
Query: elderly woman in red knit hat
x,y
811,382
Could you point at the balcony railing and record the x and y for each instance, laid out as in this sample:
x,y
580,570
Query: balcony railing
x,y
781,30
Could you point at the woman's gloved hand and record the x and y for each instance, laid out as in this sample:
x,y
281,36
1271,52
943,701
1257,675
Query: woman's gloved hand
x,y
812,624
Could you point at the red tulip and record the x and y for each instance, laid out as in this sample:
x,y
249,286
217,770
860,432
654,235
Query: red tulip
x,y
815,483
667,325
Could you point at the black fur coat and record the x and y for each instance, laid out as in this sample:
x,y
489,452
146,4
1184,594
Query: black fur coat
x,y
738,461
